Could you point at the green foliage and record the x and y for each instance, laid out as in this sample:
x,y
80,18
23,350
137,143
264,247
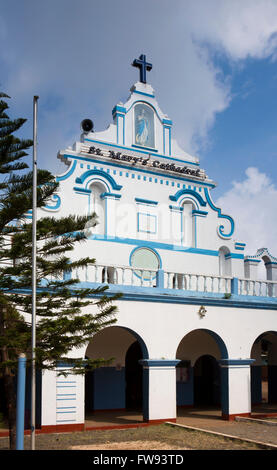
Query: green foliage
x,y
67,316
227,295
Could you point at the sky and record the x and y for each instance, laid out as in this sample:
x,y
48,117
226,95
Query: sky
x,y
214,74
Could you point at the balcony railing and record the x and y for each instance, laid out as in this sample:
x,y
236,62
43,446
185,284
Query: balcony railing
x,y
207,283
257,288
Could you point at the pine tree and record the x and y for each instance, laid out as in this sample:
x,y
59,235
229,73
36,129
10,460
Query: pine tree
x,y
68,316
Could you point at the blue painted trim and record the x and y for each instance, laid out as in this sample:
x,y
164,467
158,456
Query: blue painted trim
x,y
146,201
176,208
103,174
199,213
191,192
145,245
138,101
160,279
69,173
222,216
252,260
159,362
146,148
145,397
234,256
119,109
235,286
236,362
110,195
167,122
56,206
163,246
137,150
144,94
186,198
219,341
224,392
170,296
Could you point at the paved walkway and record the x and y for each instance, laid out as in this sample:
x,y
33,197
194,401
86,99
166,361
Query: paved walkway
x,y
206,419
210,420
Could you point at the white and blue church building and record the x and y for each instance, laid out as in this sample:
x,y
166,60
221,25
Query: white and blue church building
x,y
196,325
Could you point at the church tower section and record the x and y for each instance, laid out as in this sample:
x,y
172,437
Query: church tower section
x,y
147,192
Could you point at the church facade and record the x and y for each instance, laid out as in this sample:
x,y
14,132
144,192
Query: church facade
x,y
195,325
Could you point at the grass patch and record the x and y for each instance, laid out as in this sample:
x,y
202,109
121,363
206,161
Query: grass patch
x,y
173,437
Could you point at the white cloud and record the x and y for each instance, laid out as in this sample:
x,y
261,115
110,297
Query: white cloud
x,y
252,203
239,28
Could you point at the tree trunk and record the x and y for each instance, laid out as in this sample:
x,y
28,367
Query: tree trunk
x,y
8,383
11,407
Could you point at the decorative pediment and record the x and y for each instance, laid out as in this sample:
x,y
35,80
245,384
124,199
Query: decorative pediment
x,y
262,254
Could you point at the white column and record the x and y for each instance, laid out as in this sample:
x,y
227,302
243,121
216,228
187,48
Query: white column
x,y
110,201
48,398
159,389
271,269
176,224
235,387
251,268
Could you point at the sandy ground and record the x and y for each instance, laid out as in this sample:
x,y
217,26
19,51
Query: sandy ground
x,y
129,445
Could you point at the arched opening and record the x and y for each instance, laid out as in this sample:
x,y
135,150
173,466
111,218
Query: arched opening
x,y
97,206
206,381
264,372
117,387
144,132
200,381
134,377
224,257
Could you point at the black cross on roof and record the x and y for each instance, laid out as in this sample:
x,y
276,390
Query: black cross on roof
x,y
143,66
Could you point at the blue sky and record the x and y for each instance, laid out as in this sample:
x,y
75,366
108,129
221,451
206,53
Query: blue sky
x,y
214,73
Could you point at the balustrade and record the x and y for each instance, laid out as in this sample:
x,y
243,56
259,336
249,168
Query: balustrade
x,y
207,283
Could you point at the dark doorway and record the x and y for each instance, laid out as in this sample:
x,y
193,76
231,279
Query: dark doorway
x,y
89,388
133,377
206,381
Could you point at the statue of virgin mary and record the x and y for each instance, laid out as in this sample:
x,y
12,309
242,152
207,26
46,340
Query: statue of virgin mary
x,y
142,128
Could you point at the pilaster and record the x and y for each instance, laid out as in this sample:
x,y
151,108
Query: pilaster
x,y
235,387
159,382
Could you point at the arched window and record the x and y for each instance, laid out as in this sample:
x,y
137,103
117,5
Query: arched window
x,y
144,134
188,226
97,206
225,268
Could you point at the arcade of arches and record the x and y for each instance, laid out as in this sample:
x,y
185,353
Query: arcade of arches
x,y
200,381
